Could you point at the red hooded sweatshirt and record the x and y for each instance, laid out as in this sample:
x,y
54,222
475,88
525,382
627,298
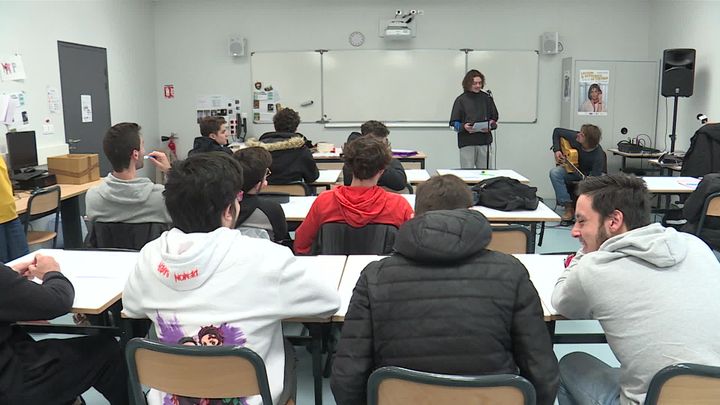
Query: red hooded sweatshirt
x,y
355,206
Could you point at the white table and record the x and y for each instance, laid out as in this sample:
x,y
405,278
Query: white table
x,y
671,185
476,176
97,276
416,176
327,177
544,271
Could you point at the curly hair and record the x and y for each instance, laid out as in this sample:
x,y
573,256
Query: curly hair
x,y
286,120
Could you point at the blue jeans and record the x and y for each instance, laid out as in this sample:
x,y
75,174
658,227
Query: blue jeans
x,y
13,243
559,178
585,380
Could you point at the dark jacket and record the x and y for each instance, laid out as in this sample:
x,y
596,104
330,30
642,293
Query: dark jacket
x,y
444,304
590,163
292,161
24,300
263,213
693,208
703,156
203,144
470,108
393,177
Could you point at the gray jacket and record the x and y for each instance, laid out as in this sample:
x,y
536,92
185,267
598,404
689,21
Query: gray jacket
x,y
654,291
133,201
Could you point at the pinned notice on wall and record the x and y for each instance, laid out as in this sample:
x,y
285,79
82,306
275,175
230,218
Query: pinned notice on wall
x,y
53,98
86,107
593,88
11,68
13,110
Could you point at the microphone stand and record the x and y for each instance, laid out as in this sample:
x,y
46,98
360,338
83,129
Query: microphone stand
x,y
487,119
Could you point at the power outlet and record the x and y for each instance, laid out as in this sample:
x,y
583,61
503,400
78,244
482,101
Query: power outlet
x,y
48,129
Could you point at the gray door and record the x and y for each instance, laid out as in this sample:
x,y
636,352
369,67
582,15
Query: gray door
x,y
84,76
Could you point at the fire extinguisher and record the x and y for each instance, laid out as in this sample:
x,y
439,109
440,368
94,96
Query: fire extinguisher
x,y
171,143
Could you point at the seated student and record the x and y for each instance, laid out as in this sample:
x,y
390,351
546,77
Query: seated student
x,y
51,371
361,203
123,196
443,303
204,283
13,242
653,289
214,136
256,211
591,162
394,176
292,161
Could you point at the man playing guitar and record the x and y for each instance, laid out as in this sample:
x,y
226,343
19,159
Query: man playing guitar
x,y
591,161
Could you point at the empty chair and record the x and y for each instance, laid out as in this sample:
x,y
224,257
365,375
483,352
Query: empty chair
x,y
511,239
42,202
685,384
401,386
337,238
195,371
296,189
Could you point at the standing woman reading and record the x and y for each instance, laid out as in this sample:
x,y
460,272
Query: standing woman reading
x,y
472,107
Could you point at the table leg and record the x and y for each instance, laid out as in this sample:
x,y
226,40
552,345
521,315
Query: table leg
x,y
71,227
316,336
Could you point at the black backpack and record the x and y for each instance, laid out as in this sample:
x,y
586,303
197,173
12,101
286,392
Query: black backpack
x,y
505,194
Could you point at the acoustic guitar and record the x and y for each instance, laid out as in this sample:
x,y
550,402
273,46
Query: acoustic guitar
x,y
571,157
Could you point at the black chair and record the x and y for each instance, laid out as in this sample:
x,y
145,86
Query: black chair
x,y
337,238
685,383
121,235
711,208
195,371
401,386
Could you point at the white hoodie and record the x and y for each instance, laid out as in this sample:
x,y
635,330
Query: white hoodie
x,y
654,291
227,285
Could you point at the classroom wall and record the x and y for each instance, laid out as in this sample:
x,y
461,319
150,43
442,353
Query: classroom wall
x,y
192,38
125,28
688,24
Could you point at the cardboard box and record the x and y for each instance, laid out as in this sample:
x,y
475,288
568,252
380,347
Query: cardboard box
x,y
74,168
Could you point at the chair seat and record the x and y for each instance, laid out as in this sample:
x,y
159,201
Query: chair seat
x,y
35,237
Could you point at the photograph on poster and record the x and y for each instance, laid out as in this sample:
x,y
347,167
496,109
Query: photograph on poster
x,y
593,88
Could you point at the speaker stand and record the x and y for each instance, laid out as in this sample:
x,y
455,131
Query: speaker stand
x,y
673,134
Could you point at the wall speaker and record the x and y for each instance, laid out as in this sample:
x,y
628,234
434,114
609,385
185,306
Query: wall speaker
x,y
678,76
550,43
237,46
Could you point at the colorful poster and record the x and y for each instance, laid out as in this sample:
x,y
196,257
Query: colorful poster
x,y
593,86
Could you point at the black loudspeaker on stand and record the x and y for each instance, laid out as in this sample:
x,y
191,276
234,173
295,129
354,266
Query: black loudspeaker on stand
x,y
678,78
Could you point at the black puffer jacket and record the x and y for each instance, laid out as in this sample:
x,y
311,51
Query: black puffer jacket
x,y
445,304
203,144
703,156
292,161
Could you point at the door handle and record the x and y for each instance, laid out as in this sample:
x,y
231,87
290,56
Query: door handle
x,y
74,140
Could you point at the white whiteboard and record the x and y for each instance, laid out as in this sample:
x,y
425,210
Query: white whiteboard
x,y
403,85
417,86
295,76
512,76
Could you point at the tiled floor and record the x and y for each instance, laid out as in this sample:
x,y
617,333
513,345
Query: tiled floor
x,y
557,239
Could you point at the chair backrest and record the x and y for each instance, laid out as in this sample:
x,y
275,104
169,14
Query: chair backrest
x,y
43,202
400,386
121,235
407,190
683,384
196,371
337,238
711,208
510,239
297,189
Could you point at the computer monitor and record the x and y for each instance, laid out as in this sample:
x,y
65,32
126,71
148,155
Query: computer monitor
x,y
22,150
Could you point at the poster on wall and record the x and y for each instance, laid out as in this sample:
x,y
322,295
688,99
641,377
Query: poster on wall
x,y
86,107
15,110
593,88
11,68
265,104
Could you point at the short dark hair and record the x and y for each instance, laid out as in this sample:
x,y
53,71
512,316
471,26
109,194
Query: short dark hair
x,y
366,156
119,143
375,128
286,120
625,193
199,188
446,192
211,125
255,161
468,79
593,134
594,86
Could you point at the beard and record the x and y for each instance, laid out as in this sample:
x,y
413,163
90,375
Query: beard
x,y
602,236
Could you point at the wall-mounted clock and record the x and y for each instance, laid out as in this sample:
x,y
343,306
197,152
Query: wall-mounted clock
x,y
356,39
